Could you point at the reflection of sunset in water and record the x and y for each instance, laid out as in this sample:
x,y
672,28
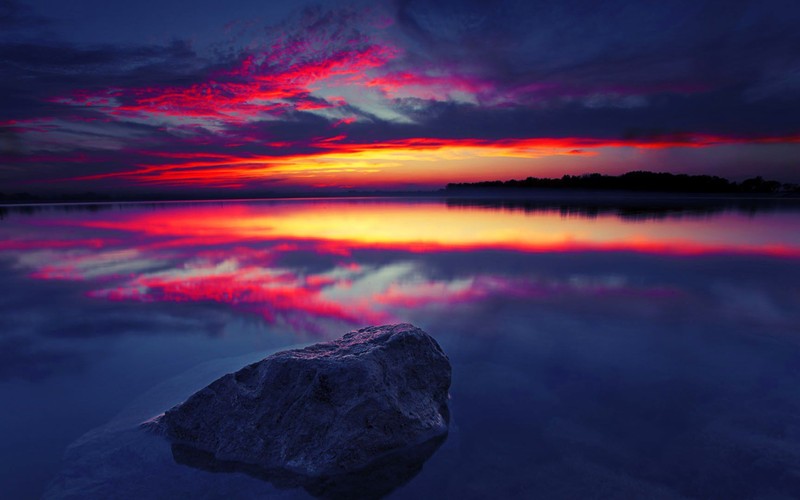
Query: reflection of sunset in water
x,y
307,263
436,227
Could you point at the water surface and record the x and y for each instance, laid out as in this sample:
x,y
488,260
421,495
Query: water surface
x,y
596,353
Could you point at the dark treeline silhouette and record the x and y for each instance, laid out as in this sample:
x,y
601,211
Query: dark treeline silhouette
x,y
640,181
637,181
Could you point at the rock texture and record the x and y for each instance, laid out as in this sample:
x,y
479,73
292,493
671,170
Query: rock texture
x,y
329,409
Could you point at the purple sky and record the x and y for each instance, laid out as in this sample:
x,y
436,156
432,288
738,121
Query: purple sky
x,y
280,96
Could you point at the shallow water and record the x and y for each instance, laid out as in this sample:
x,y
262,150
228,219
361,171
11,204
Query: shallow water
x,y
596,353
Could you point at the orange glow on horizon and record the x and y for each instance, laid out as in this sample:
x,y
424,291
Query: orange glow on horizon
x,y
336,162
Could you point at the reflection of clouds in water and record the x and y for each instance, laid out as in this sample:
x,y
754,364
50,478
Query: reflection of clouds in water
x,y
581,373
88,266
276,294
275,282
347,292
368,281
223,254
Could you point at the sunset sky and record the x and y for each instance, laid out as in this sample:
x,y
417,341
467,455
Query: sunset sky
x,y
283,96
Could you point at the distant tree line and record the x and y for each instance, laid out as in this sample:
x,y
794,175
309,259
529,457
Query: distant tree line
x,y
638,181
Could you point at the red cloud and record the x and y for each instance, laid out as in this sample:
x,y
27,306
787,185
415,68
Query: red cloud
x,y
268,82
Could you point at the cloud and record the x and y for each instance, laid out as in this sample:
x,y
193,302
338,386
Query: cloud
x,y
620,47
273,111
16,17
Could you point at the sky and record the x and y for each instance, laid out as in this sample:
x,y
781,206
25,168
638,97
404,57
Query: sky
x,y
260,97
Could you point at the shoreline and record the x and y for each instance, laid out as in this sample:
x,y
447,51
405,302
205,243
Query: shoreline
x,y
533,194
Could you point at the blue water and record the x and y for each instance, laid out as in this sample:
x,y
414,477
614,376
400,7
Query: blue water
x,y
658,357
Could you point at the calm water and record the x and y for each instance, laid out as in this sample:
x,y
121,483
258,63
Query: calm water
x,y
596,353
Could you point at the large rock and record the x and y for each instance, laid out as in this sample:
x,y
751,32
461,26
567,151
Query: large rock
x,y
327,410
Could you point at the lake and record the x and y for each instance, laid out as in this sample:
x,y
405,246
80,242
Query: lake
x,y
597,351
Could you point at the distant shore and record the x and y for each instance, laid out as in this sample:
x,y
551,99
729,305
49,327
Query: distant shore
x,y
543,196
636,186
626,205
638,181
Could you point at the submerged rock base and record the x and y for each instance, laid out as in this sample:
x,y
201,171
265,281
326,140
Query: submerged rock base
x,y
314,416
377,480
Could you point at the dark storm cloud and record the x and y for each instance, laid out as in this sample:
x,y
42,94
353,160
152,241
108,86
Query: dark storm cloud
x,y
35,73
719,112
15,17
582,46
